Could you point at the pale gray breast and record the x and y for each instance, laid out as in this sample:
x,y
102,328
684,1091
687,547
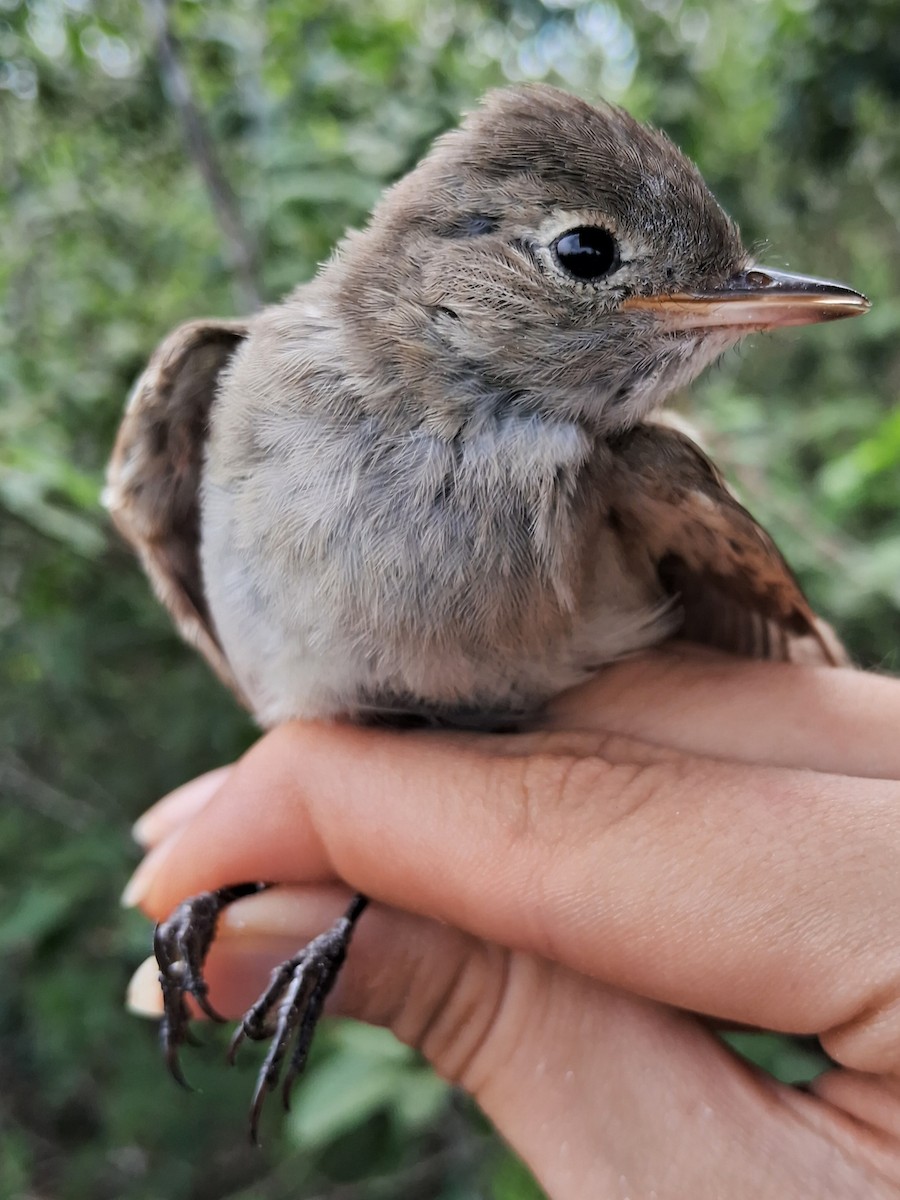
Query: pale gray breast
x,y
352,567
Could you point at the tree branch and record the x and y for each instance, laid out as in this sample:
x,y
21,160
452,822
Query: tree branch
x,y
240,244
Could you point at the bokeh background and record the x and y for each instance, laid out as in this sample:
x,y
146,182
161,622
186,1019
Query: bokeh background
x,y
157,165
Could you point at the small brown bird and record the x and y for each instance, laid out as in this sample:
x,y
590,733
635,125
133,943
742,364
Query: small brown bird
x,y
432,484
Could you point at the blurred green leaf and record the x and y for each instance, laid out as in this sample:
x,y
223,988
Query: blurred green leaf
x,y
37,912
374,1072
788,1059
846,480
340,1094
511,1181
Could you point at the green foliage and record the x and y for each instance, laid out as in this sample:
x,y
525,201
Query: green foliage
x,y
108,239
792,1060
370,1074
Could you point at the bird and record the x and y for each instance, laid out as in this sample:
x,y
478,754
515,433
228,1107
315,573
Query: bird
x,y
434,485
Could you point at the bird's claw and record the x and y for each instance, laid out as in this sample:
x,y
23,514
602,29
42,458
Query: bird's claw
x,y
181,945
290,1008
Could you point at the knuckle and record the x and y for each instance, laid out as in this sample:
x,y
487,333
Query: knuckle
x,y
568,818
560,799
458,1036
870,1040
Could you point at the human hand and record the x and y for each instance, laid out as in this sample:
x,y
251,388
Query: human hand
x,y
719,837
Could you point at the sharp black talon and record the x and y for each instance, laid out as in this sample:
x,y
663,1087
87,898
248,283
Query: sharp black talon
x,y
236,1038
207,1009
170,1053
256,1106
181,945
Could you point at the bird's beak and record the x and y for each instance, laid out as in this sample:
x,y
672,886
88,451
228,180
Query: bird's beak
x,y
755,299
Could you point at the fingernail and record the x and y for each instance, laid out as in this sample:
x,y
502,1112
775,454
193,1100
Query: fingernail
x,y
293,914
138,885
144,996
177,807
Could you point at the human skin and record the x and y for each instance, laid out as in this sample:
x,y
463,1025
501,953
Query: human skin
x,y
685,835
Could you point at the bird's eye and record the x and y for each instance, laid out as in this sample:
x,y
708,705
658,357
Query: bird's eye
x,y
587,252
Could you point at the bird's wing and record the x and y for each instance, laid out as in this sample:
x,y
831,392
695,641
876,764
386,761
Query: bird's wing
x,y
153,478
677,518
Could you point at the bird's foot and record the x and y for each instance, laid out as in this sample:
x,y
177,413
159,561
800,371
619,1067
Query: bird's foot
x,y
181,945
290,1008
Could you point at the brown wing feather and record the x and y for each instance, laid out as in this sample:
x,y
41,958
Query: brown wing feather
x,y
737,592
153,477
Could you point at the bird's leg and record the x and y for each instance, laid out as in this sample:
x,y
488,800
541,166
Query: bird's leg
x,y
291,1006
181,945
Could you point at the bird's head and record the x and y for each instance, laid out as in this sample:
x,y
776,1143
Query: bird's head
x,y
555,256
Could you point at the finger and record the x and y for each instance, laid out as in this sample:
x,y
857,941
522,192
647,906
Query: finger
x,y
743,893
558,1063
180,806
834,720
177,807
698,702
838,721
